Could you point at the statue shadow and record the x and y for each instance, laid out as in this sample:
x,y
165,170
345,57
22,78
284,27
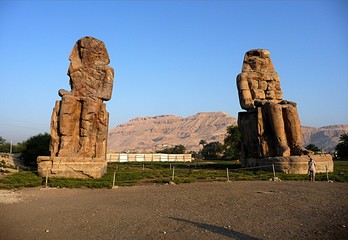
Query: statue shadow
x,y
218,230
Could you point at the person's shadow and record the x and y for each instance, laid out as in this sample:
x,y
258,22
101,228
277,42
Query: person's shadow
x,y
218,230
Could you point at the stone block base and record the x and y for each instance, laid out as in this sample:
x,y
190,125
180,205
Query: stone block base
x,y
71,167
292,164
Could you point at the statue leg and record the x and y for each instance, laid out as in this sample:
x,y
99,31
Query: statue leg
x,y
68,126
293,130
88,128
102,136
55,138
275,115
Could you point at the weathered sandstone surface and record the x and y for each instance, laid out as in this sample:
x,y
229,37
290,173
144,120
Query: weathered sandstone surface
x,y
270,126
79,124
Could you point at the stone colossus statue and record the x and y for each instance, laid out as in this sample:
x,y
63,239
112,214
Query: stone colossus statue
x,y
270,126
79,123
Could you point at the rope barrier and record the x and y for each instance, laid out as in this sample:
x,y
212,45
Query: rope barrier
x,y
264,166
143,166
120,174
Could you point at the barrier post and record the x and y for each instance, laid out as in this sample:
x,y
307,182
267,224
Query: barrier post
x,y
46,182
273,171
173,176
327,173
228,176
113,181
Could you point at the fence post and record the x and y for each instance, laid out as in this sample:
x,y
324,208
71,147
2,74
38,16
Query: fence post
x,y
143,166
113,181
273,171
228,176
46,182
173,176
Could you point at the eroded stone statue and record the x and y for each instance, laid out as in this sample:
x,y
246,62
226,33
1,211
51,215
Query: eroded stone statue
x,y
79,124
278,130
80,120
270,126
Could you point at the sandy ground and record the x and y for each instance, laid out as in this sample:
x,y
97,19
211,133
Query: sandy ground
x,y
224,210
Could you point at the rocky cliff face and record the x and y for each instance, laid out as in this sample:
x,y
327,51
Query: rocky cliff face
x,y
148,134
325,138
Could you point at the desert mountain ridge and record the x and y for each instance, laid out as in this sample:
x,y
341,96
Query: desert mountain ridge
x,y
148,134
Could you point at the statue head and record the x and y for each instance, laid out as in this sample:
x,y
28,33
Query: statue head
x,y
258,83
257,60
88,51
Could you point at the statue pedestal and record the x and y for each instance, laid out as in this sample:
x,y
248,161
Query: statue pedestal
x,y
71,167
292,164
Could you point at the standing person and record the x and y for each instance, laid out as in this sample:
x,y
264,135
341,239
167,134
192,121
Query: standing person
x,y
311,169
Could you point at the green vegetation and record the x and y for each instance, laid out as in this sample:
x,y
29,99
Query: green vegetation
x,y
232,143
4,146
36,146
30,149
313,147
231,149
342,147
130,174
202,142
178,149
213,150
21,179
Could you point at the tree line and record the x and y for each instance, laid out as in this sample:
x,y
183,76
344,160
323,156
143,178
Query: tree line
x,y
29,149
231,147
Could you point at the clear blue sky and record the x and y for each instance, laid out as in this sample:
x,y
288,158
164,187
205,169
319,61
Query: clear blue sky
x,y
172,57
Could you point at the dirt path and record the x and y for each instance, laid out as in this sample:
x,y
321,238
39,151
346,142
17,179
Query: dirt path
x,y
230,210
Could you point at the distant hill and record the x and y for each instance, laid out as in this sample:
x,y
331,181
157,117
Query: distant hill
x,y
326,138
148,134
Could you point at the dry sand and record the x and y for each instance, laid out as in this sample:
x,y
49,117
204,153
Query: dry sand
x,y
229,210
